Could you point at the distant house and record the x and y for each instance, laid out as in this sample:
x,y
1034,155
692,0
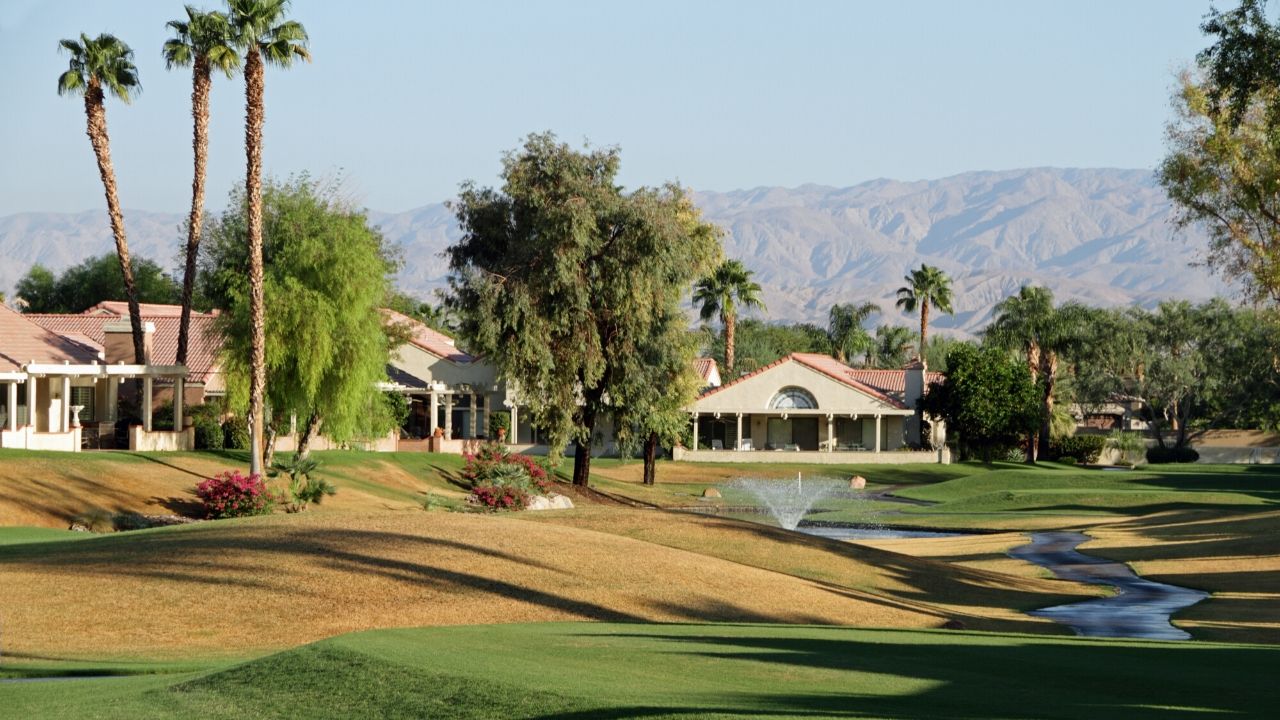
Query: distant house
x,y
62,384
816,406
708,370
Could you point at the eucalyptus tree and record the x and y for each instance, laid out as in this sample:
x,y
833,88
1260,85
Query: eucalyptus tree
x,y
845,329
99,66
721,294
204,42
1030,323
264,35
567,283
926,287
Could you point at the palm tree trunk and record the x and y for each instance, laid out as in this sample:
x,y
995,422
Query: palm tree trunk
x,y
924,326
650,458
730,323
96,114
254,116
1049,363
200,84
1033,366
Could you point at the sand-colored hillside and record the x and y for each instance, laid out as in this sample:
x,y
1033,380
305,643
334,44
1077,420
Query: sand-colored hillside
x,y
234,587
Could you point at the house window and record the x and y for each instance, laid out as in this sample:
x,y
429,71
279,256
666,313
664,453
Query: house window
x,y
793,398
84,395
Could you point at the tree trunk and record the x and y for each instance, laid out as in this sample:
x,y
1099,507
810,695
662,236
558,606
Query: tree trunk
x,y
1049,375
304,441
200,84
253,94
1033,365
582,454
269,447
96,115
650,458
924,326
730,323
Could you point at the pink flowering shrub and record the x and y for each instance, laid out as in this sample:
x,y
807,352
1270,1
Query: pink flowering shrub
x,y
232,494
500,480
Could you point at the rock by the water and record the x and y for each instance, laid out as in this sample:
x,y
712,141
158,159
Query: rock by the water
x,y
711,493
550,502
857,482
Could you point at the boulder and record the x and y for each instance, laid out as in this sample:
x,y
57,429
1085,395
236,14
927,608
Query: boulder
x,y
857,482
711,493
550,502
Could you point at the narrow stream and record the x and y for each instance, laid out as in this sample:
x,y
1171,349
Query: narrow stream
x,y
1140,609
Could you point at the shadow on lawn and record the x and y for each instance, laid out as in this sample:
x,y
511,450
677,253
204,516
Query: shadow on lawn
x,y
1037,678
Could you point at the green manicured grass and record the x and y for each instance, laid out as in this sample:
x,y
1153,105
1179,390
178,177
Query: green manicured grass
x,y
24,535
602,670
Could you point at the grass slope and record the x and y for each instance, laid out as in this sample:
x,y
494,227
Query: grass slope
x,y
609,670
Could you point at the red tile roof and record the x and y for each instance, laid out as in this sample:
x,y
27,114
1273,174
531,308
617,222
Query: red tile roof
x,y
826,365
23,341
890,382
704,366
203,344
148,310
421,336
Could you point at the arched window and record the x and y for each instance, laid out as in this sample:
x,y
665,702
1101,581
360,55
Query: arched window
x,y
793,398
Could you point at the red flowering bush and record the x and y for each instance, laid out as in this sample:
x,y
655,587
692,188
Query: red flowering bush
x,y
503,481
233,494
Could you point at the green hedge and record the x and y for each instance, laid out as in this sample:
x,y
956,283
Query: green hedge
x,y
1086,449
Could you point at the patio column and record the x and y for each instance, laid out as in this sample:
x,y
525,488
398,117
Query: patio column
x,y
738,437
146,403
179,403
32,404
64,419
877,433
12,405
695,431
472,415
488,431
113,398
448,416
831,433
513,434
434,421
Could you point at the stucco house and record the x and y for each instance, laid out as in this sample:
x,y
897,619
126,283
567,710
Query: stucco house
x,y
817,408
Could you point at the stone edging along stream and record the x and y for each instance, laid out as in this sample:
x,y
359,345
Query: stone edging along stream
x,y
1141,608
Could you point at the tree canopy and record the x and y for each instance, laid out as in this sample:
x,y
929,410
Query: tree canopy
x,y
564,281
988,400
721,294
327,274
92,281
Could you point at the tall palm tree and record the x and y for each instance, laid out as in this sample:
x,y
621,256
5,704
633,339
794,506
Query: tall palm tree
x,y
926,287
892,347
1029,322
204,42
721,293
98,66
265,36
844,328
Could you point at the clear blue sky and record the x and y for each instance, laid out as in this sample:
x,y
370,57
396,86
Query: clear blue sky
x,y
411,98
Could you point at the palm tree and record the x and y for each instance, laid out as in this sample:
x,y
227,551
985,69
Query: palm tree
x,y
892,347
1029,322
845,331
721,293
98,66
926,286
202,41
261,31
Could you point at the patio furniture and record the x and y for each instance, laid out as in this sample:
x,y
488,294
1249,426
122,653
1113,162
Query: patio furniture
x,y
745,445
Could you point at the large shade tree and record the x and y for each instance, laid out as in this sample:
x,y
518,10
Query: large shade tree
x,y
988,400
204,42
845,329
1030,323
266,37
564,281
92,281
721,294
927,287
327,276
100,66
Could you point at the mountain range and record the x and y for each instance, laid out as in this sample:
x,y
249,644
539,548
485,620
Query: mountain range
x,y
1101,236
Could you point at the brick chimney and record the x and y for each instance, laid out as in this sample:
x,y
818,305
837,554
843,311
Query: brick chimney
x,y
118,343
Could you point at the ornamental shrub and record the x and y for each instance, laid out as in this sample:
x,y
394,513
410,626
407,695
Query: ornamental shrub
x,y
501,480
205,421
499,421
1084,448
236,433
1160,455
233,494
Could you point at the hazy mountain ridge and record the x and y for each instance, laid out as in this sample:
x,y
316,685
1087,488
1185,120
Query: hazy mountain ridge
x,y
1101,236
